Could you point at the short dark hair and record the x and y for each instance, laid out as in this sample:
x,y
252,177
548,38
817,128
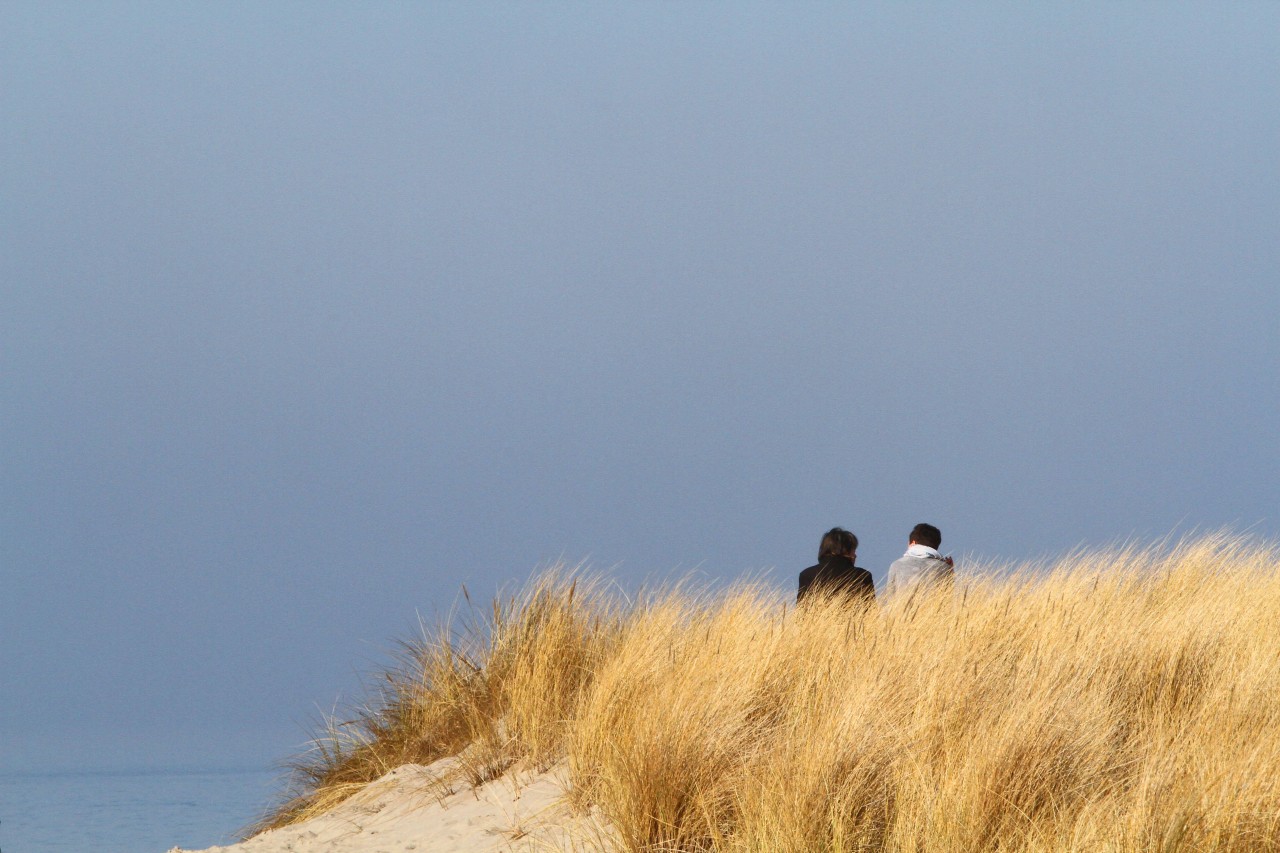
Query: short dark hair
x,y
837,542
927,535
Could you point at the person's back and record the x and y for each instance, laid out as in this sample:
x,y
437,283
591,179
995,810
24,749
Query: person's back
x,y
835,572
921,565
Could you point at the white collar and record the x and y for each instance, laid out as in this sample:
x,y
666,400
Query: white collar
x,y
919,550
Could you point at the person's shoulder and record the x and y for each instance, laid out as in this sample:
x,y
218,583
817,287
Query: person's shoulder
x,y
805,574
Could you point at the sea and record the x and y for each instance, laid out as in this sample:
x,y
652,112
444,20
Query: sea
x,y
130,811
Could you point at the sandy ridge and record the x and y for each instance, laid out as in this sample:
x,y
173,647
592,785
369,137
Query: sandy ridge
x,y
418,808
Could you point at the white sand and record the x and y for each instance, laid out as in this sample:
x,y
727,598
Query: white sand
x,y
418,808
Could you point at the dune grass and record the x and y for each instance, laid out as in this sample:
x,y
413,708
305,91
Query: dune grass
x,y
1123,700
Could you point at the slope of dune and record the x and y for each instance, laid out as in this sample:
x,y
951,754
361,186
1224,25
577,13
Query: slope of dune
x,y
423,808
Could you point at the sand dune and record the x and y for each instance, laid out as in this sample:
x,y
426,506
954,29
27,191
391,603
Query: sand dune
x,y
1116,700
416,808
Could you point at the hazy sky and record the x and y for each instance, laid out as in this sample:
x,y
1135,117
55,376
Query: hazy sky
x,y
312,313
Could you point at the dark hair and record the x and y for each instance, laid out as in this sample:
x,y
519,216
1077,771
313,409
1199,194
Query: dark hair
x,y
837,543
927,535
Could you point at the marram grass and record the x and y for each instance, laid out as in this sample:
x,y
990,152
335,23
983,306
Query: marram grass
x,y
1113,701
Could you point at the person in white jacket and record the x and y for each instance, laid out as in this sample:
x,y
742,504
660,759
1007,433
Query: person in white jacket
x,y
922,564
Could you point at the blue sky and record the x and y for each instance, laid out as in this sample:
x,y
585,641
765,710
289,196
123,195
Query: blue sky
x,y
313,313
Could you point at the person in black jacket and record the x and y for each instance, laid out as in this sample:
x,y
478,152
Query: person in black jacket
x,y
835,572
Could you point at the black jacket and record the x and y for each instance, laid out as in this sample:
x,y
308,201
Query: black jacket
x,y
837,575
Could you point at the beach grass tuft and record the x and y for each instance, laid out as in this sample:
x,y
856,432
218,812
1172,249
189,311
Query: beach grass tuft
x,y
1119,700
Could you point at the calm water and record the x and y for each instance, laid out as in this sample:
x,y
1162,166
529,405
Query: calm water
x,y
129,812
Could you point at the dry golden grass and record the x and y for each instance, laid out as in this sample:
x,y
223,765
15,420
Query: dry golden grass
x,y
1113,701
